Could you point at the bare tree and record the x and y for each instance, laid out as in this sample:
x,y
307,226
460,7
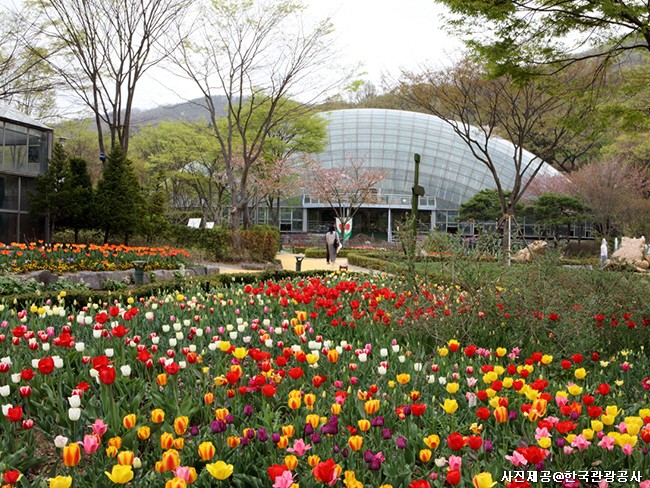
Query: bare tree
x,y
102,48
25,79
345,188
536,113
616,192
259,55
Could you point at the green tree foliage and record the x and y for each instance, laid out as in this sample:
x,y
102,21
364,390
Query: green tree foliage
x,y
79,191
184,161
50,196
556,210
516,36
118,200
485,206
154,221
81,142
627,115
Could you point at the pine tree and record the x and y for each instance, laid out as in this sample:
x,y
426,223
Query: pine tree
x,y
79,202
49,197
118,200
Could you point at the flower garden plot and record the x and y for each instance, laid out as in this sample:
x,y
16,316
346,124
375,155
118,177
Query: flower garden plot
x,y
67,258
307,383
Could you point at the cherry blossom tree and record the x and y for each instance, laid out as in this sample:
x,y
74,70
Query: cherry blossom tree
x,y
345,188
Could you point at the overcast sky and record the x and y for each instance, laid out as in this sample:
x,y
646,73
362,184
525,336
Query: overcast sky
x,y
381,35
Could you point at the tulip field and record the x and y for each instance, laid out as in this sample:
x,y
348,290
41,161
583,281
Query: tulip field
x,y
312,382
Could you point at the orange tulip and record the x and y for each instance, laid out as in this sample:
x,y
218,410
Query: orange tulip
x,y
125,458
355,442
206,451
166,440
364,424
501,414
129,421
371,406
180,424
233,441
157,416
71,455
170,460
288,430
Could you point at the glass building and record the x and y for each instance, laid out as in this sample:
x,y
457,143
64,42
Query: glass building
x,y
25,148
387,140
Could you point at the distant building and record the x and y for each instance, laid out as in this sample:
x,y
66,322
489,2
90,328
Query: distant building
x,y
387,140
25,149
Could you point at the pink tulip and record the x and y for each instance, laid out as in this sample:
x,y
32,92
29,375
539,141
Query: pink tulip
x,y
285,480
90,443
517,459
455,462
299,447
99,428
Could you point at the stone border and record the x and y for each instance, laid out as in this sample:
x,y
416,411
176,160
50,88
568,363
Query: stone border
x,y
95,279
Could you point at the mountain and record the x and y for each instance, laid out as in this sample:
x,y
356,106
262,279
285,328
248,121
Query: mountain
x,y
191,111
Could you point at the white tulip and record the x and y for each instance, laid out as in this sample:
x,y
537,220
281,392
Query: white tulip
x,y
199,332
60,441
80,346
16,378
74,414
74,401
165,328
192,347
126,370
88,320
5,390
172,342
97,334
58,362
46,346
179,336
383,352
109,353
417,366
177,326
233,335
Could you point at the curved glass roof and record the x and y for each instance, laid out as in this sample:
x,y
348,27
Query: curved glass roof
x,y
388,139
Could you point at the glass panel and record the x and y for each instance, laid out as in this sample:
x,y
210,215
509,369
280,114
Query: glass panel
x,y
9,192
27,187
8,223
37,152
15,149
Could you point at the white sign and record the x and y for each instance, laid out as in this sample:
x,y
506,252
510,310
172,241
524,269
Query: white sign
x,y
209,225
194,223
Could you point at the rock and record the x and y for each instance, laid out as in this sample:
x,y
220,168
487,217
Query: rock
x,y
42,276
630,252
526,254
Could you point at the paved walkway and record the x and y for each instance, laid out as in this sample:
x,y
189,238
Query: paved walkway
x,y
288,261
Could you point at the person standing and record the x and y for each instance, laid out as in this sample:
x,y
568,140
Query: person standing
x,y
332,244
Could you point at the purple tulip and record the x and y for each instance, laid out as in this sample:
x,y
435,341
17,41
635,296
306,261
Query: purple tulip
x,y
262,435
250,433
244,441
194,430
337,449
345,453
230,418
308,430
377,421
512,415
488,445
315,438
559,442
275,437
218,426
248,410
400,442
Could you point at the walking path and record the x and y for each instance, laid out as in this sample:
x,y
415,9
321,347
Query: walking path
x,y
288,261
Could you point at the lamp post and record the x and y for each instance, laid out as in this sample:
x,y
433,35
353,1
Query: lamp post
x,y
416,192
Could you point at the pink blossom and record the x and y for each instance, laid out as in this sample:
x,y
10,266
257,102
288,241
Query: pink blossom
x,y
561,401
568,450
644,484
285,480
580,442
603,484
627,449
183,472
541,433
455,462
607,442
99,428
299,447
471,381
90,443
338,384
622,428
517,459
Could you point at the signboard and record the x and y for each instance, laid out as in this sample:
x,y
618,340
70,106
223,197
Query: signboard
x,y
194,223
347,232
209,225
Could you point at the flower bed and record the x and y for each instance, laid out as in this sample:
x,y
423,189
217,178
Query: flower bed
x,y
312,382
68,258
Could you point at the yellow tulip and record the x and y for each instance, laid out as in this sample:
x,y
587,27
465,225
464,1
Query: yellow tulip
x,y
144,432
425,455
443,351
483,480
450,406
61,482
432,441
355,442
452,388
129,421
220,470
157,416
120,474
240,352
291,462
580,373
180,424
501,351
403,378
206,451
544,442
125,458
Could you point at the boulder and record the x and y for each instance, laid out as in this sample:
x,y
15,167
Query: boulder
x,y
526,254
631,252
42,276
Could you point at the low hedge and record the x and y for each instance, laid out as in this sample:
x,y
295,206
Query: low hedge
x,y
216,281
